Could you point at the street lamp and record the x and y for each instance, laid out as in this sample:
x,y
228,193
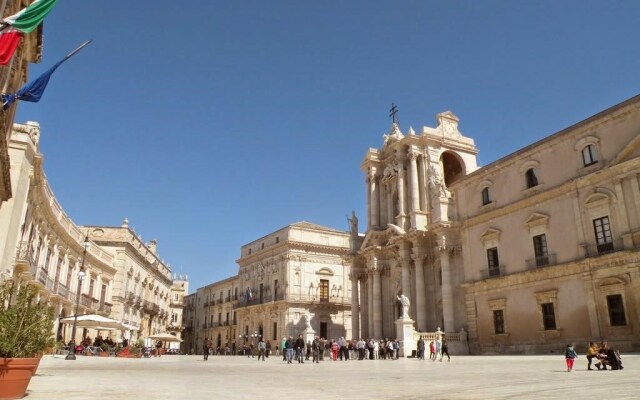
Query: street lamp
x,y
71,355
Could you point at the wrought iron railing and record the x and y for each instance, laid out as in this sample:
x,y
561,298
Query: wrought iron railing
x,y
542,261
595,250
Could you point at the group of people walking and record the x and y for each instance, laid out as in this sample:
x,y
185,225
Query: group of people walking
x,y
437,347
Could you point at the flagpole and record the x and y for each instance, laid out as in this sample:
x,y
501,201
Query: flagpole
x,y
82,46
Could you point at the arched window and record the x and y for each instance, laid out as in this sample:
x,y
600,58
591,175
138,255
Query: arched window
x,y
486,196
589,155
531,178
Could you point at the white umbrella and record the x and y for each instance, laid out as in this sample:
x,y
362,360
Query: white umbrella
x,y
94,321
165,336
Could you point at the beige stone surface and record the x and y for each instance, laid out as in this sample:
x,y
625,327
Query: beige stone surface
x,y
227,377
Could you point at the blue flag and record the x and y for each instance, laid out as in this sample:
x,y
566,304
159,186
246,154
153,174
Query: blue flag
x,y
34,90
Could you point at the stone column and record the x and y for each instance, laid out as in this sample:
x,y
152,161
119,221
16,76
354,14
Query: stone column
x,y
405,260
369,219
364,306
401,218
413,180
592,308
384,219
355,306
423,179
447,290
370,303
374,198
377,304
421,306
390,212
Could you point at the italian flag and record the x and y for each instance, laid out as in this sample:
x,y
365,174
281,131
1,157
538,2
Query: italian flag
x,y
12,28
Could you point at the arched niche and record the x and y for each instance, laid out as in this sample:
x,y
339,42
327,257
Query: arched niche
x,y
452,167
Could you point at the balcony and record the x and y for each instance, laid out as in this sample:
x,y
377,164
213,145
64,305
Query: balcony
x,y
542,261
493,272
24,257
130,298
106,308
595,250
95,303
63,291
85,300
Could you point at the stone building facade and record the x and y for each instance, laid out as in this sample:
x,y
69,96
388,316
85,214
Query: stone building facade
x,y
412,242
12,77
291,281
535,250
551,239
39,244
142,283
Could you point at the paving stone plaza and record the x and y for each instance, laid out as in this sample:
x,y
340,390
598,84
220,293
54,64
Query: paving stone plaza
x,y
465,377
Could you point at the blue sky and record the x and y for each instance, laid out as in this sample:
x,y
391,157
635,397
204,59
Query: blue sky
x,y
212,123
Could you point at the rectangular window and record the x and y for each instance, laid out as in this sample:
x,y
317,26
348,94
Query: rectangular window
x,y
616,310
589,155
492,261
498,322
602,230
540,250
324,290
548,317
275,331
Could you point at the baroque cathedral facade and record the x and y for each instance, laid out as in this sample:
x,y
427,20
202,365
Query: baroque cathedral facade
x,y
538,248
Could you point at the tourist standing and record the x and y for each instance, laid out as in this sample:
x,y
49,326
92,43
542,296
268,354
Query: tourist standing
x,y
315,347
206,345
570,356
421,348
283,347
592,352
268,348
432,351
445,350
262,349
300,349
289,344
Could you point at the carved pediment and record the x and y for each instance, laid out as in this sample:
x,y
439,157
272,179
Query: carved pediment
x,y
324,271
633,147
537,219
490,234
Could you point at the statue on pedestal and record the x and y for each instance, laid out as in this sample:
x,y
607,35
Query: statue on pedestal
x,y
404,300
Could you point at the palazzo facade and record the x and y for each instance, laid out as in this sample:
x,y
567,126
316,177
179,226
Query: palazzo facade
x,y
291,281
118,276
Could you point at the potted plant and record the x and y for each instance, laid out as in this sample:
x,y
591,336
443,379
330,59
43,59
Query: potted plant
x,y
25,332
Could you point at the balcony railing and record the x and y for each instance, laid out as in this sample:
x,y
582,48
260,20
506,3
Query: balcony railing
x,y
493,272
296,298
542,261
105,307
85,300
63,291
595,250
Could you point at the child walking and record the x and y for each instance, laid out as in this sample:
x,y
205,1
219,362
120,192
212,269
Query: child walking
x,y
570,355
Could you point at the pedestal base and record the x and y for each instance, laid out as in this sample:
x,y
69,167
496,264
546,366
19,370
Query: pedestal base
x,y
404,332
308,335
